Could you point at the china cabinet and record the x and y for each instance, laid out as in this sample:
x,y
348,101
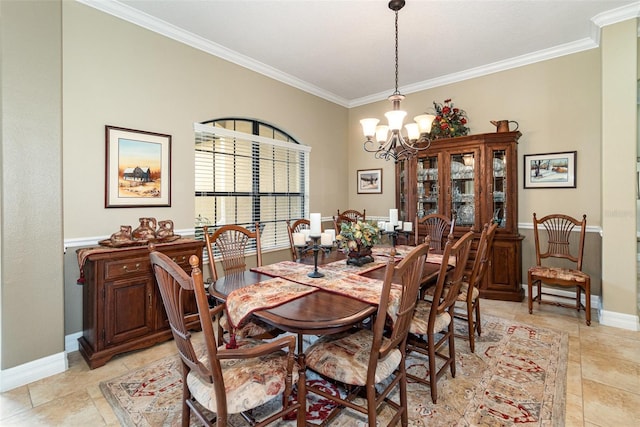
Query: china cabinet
x,y
122,305
473,178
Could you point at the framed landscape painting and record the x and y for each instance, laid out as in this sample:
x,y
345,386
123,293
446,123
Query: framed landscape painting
x,y
550,170
370,181
138,168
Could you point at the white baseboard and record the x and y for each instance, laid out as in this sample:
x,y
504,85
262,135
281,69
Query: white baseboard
x,y
619,320
33,371
71,342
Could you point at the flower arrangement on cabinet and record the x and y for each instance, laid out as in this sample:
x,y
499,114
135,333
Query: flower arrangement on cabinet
x,y
450,121
356,235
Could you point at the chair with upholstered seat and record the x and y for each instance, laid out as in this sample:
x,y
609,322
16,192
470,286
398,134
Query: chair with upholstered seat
x,y
354,215
223,381
362,358
559,255
232,243
431,332
296,227
467,307
437,226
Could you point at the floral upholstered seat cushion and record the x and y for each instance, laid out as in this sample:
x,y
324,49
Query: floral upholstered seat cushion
x,y
420,321
345,357
252,328
248,382
559,273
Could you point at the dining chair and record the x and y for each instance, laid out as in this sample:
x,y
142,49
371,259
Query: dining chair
x,y
431,332
338,220
437,226
232,243
365,360
559,256
354,214
297,226
467,305
222,381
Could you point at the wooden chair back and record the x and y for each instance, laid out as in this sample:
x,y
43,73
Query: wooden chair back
x,y
453,278
338,220
297,226
557,241
408,274
232,243
175,288
437,226
354,214
482,257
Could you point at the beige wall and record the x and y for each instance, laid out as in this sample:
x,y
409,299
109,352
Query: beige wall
x,y
31,156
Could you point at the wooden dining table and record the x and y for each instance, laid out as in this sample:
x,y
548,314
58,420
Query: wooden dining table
x,y
318,313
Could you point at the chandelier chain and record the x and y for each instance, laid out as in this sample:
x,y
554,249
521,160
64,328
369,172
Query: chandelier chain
x,y
396,91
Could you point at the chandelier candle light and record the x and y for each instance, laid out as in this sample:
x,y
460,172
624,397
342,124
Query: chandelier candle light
x,y
397,146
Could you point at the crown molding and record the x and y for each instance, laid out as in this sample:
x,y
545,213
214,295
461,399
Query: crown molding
x,y
127,13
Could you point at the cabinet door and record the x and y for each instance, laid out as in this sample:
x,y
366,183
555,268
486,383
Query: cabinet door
x,y
128,309
428,186
502,182
404,192
464,181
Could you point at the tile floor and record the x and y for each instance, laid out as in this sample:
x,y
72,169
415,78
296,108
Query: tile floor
x,y
603,377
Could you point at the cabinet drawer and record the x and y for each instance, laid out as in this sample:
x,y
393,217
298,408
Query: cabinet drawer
x,y
125,267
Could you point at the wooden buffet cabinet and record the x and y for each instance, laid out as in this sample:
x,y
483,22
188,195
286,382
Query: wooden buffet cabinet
x,y
475,178
122,306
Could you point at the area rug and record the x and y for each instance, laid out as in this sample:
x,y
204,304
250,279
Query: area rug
x,y
517,376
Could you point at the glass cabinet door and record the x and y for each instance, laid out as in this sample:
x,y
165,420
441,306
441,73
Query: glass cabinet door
x,y
499,187
463,188
428,190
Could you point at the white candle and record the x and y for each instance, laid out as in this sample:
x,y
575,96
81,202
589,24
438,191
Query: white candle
x,y
388,226
393,216
298,239
381,225
399,225
325,239
407,226
316,224
332,234
305,233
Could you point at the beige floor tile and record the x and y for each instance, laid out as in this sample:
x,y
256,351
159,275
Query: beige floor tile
x,y
75,409
608,369
574,378
609,406
573,414
595,341
14,401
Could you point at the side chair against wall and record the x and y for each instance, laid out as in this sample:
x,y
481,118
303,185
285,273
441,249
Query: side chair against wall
x,y
560,244
361,358
432,320
296,227
438,227
354,214
467,307
231,242
222,381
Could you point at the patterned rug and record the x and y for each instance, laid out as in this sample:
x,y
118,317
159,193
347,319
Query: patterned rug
x,y
517,376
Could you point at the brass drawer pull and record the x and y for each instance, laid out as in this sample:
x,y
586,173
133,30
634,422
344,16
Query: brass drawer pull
x,y
126,267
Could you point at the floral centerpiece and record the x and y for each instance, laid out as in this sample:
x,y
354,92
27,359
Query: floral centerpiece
x,y
450,121
356,240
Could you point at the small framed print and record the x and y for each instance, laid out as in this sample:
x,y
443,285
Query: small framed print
x,y
370,181
138,168
550,170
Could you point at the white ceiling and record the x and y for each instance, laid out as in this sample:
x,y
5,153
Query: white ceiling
x,y
343,50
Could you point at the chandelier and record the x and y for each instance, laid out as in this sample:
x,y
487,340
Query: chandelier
x,y
396,146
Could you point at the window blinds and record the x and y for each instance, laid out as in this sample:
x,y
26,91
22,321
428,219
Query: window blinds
x,y
242,178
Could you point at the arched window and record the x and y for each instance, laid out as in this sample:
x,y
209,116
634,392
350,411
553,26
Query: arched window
x,y
248,171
